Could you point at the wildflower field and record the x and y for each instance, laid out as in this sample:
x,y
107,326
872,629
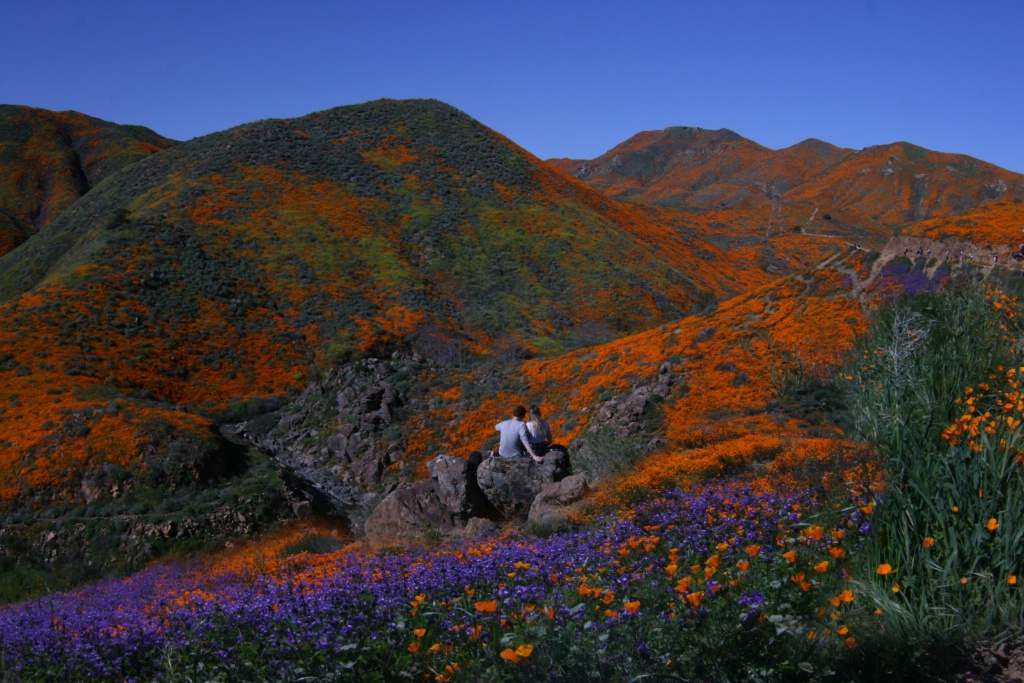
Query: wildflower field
x,y
890,558
696,583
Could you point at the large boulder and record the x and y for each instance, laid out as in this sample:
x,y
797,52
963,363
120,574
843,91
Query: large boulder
x,y
511,484
550,509
410,513
456,486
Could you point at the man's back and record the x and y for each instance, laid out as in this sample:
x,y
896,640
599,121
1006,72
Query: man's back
x,y
513,437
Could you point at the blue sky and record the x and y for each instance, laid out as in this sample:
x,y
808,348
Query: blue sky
x,y
559,78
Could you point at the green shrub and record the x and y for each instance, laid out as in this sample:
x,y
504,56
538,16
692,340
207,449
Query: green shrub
x,y
314,544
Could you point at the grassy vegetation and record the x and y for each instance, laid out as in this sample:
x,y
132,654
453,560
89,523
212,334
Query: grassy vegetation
x,y
936,389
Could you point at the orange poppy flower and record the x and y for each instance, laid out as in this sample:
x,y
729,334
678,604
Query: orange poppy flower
x,y
992,524
790,556
486,605
414,647
928,542
753,550
420,632
884,569
713,561
632,607
821,566
695,599
743,565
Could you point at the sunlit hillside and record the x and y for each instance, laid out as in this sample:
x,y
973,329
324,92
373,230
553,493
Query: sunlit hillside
x,y
221,275
49,159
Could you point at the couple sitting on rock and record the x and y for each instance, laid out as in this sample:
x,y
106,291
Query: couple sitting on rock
x,y
519,438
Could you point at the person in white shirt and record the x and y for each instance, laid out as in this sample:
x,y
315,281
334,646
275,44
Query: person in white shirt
x,y
515,439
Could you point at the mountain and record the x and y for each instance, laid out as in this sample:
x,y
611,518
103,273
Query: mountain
x,y
667,166
49,159
215,278
303,311
733,189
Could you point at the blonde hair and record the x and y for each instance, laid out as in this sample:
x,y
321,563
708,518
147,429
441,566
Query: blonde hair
x,y
536,422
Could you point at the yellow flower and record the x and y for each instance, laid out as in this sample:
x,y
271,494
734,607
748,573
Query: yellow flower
x,y
895,588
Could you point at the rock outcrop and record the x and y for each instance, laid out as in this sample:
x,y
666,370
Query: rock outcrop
x,y
335,436
465,497
550,508
412,512
511,484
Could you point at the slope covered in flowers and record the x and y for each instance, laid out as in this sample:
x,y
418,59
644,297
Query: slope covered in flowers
x,y
236,265
738,194
49,159
997,225
729,370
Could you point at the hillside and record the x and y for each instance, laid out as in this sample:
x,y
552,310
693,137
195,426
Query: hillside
x,y
733,191
210,281
669,165
49,159
298,314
